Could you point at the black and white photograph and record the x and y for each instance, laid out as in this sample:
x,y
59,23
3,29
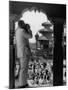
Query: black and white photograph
x,y
37,44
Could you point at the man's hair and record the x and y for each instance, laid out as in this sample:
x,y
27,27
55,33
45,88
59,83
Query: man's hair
x,y
27,26
21,24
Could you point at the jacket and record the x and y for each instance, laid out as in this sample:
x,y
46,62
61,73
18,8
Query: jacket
x,y
22,42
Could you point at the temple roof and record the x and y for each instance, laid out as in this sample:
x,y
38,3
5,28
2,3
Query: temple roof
x,y
44,30
47,24
42,38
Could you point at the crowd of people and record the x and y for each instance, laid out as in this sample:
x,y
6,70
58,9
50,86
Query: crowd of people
x,y
40,73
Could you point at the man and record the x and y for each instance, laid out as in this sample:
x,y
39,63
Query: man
x,y
23,51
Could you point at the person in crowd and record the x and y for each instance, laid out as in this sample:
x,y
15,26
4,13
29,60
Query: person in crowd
x,y
23,34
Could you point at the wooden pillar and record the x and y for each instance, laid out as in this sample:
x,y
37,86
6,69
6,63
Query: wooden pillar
x,y
11,55
58,53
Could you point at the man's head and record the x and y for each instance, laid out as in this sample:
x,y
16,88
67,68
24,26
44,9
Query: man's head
x,y
21,24
27,26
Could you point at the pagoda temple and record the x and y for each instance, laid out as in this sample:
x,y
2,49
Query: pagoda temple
x,y
45,42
